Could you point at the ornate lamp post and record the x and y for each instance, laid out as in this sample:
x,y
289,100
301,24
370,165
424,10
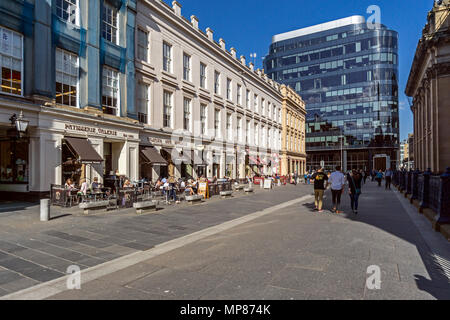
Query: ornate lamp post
x,y
20,123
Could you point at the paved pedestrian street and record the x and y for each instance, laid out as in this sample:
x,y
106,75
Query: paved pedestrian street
x,y
270,245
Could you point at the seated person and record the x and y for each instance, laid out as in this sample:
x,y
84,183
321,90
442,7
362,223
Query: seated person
x,y
127,184
191,187
82,193
158,184
69,184
95,184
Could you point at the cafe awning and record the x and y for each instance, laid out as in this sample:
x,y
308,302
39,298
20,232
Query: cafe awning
x,y
177,158
153,157
198,161
83,149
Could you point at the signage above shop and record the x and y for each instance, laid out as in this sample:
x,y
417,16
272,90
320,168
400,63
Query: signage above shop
x,y
100,131
165,142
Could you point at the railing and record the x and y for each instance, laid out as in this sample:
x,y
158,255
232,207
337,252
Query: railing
x,y
435,182
420,186
431,191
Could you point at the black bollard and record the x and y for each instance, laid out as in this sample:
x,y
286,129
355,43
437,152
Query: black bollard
x,y
443,214
408,183
425,190
415,185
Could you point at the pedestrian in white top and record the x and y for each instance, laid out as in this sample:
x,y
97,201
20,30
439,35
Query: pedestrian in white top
x,y
337,181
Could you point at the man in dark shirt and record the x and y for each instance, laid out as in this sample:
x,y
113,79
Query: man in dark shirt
x,y
320,185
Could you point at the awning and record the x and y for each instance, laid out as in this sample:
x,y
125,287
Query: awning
x,y
177,158
84,150
198,161
153,157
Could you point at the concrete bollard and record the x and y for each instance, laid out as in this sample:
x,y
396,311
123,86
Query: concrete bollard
x,y
45,209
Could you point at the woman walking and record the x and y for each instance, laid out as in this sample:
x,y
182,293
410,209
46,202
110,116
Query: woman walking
x,y
354,189
379,177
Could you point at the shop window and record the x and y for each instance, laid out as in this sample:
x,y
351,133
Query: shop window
x,y
11,50
14,161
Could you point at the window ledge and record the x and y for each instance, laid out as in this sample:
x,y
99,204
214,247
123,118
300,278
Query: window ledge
x,y
145,63
188,83
169,75
205,91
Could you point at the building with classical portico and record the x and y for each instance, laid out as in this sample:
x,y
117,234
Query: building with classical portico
x,y
428,85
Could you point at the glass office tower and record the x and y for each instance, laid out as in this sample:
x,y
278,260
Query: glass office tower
x,y
347,74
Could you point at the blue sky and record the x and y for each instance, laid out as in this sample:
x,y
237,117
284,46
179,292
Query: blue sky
x,y
248,26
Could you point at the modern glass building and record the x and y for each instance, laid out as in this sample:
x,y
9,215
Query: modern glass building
x,y
347,73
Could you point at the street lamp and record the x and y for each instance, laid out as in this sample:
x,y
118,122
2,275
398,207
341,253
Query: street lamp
x,y
20,123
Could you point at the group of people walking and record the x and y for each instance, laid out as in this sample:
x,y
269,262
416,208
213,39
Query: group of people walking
x,y
337,181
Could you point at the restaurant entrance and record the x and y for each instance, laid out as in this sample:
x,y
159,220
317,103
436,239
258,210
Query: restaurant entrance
x,y
14,163
77,153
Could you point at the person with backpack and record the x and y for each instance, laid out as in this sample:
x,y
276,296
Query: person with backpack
x,y
320,185
354,179
337,180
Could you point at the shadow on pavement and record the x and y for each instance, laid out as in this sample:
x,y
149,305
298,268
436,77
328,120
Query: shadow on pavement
x,y
382,209
9,206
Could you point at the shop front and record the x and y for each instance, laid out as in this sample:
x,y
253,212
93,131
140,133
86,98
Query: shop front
x,y
152,164
216,165
14,162
200,165
78,157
